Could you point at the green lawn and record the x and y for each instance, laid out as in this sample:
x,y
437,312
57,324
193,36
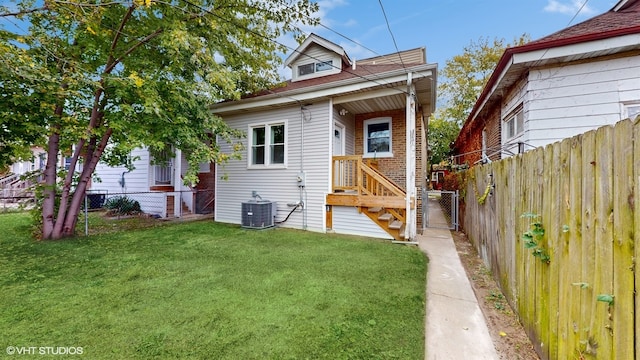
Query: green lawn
x,y
211,291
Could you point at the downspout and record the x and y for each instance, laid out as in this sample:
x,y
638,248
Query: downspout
x,y
301,187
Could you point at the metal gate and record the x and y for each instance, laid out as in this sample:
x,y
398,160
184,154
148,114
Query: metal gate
x,y
440,209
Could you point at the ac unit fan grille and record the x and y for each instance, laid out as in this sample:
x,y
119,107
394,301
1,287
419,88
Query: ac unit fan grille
x,y
257,214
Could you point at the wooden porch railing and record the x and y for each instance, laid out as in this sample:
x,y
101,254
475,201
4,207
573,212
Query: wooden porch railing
x,y
352,175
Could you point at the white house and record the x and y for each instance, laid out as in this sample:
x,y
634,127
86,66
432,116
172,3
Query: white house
x,y
156,183
572,81
340,147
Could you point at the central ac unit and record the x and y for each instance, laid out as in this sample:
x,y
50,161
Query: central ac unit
x,y
258,214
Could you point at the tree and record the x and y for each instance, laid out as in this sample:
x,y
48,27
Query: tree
x,y
441,134
92,80
463,78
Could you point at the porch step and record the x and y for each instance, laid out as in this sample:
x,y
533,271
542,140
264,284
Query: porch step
x,y
385,217
401,232
395,225
375,209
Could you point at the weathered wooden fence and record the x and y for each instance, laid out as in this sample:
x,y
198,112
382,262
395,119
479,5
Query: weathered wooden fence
x,y
581,303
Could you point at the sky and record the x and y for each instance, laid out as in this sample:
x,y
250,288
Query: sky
x,y
444,27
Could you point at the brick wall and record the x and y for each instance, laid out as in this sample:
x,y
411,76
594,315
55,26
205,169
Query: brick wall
x,y
469,141
207,180
395,167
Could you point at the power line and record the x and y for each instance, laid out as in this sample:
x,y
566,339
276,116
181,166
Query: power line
x,y
390,32
578,12
293,49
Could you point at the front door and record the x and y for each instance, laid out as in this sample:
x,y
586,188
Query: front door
x,y
338,146
338,140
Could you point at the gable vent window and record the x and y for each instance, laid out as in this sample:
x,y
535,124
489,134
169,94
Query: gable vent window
x,y
315,67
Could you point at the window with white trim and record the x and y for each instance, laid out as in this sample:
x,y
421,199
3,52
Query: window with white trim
x,y
631,111
161,162
513,124
306,69
267,145
377,137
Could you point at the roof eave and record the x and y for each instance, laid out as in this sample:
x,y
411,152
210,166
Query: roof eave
x,y
321,90
313,38
506,61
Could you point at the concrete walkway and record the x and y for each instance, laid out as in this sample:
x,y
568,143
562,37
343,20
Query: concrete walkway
x,y
455,326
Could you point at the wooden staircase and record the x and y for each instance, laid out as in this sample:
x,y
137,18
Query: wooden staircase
x,y
356,183
385,219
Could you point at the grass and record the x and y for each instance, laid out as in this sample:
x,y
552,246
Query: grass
x,y
204,290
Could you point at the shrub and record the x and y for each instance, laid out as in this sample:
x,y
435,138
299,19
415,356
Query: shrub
x,y
122,205
455,181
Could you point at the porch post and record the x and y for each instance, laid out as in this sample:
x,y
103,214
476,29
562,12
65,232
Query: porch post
x,y
410,184
177,184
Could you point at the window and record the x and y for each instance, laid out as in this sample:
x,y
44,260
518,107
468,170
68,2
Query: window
x,y
514,123
377,137
311,68
631,111
162,166
324,66
306,69
268,145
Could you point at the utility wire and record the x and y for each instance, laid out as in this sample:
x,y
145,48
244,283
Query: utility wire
x,y
387,85
390,32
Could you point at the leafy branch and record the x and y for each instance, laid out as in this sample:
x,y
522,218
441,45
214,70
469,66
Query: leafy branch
x,y
533,237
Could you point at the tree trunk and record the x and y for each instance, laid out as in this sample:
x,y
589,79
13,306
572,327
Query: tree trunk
x,y
71,219
66,189
49,191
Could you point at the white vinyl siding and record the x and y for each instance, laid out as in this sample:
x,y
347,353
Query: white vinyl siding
x,y
236,182
347,220
561,102
135,181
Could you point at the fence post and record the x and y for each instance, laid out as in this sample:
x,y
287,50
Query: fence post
x,y
456,209
86,215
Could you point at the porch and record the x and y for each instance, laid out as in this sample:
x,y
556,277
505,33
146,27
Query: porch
x,y
357,182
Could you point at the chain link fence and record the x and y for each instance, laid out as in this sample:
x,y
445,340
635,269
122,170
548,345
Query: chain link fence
x,y
104,210
440,209
109,212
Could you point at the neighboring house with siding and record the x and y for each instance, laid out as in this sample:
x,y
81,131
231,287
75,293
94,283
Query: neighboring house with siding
x,y
12,183
339,147
156,183
572,81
